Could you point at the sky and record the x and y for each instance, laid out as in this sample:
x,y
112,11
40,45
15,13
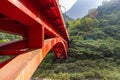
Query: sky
x,y
67,4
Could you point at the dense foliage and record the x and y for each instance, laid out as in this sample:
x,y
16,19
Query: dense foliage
x,y
5,37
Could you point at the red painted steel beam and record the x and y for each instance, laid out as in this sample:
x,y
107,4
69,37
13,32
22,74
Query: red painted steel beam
x,y
23,15
13,27
28,17
35,25
32,5
22,66
50,8
39,10
14,48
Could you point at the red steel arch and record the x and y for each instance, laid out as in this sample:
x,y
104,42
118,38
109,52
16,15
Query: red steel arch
x,y
60,50
41,25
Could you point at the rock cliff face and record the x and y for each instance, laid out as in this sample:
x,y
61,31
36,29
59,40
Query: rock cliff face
x,y
81,7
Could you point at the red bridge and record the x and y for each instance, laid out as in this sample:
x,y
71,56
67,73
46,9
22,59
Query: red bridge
x,y
41,25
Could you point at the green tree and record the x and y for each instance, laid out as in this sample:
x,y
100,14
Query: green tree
x,y
87,23
77,22
96,22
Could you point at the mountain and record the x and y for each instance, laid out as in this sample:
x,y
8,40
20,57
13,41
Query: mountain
x,y
81,7
66,18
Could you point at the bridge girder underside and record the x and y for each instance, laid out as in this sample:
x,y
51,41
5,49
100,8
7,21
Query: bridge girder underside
x,y
41,25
